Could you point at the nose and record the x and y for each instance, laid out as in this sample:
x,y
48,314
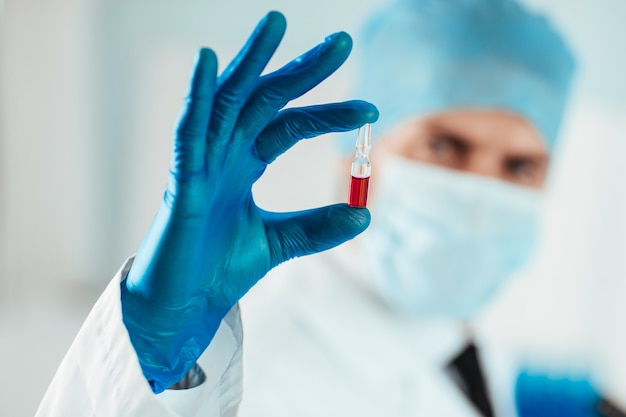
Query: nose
x,y
487,164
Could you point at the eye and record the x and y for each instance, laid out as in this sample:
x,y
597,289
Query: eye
x,y
524,170
447,149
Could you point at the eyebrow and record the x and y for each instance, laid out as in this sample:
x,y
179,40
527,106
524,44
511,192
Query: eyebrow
x,y
442,131
536,157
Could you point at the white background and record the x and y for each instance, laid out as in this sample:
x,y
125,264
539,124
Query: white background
x,y
90,90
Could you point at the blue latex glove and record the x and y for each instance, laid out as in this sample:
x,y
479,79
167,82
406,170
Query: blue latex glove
x,y
210,243
540,395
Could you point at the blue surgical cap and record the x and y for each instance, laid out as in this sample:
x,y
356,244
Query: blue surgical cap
x,y
425,56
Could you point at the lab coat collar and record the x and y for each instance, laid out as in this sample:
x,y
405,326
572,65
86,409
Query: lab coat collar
x,y
435,340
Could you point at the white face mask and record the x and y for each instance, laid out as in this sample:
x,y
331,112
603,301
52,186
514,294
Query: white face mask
x,y
442,242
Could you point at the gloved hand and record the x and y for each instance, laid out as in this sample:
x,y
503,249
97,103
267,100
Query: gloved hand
x,y
209,243
540,395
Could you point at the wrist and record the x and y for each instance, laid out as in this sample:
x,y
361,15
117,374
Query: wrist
x,y
167,341
194,378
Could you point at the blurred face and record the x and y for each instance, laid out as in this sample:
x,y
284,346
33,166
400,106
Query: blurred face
x,y
441,242
491,143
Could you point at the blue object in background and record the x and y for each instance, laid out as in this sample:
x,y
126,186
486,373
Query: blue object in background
x,y
542,395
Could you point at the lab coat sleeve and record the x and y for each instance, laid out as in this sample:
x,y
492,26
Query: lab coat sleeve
x,y
100,374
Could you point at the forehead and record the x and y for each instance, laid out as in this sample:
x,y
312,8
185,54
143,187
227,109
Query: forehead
x,y
496,130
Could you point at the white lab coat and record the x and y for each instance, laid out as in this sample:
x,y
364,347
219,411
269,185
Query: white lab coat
x,y
320,342
100,374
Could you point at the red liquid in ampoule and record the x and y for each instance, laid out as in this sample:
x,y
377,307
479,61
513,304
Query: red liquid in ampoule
x,y
358,192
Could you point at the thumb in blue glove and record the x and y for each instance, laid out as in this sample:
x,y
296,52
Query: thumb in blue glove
x,y
209,243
